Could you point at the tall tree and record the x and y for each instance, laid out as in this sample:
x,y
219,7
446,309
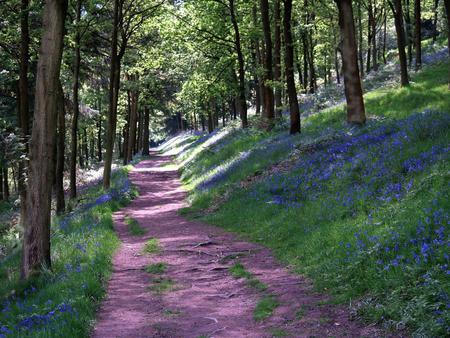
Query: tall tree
x,y
447,13
60,150
268,64
114,82
242,103
397,10
36,240
418,33
146,136
277,58
23,117
76,104
352,80
289,68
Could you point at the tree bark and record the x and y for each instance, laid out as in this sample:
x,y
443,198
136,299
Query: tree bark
x,y
133,125
399,28
146,137
36,241
99,138
23,117
241,68
268,66
409,44
61,139
447,13
5,182
352,80
1,183
76,108
277,58
418,33
384,33
360,37
289,68
114,83
435,19
210,121
374,37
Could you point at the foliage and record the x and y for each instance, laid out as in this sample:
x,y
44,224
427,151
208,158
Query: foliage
x,y
63,300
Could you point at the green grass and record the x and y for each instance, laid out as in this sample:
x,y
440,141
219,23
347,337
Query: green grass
x,y
277,332
300,313
68,295
161,285
265,307
312,238
239,271
152,246
171,313
157,268
134,228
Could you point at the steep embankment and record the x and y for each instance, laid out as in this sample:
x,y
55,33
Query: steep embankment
x,y
364,212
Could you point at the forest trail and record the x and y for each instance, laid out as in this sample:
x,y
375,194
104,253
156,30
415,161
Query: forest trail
x,y
198,296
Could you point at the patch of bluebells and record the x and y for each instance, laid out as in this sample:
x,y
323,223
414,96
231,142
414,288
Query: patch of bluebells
x,y
421,251
21,315
434,57
371,163
260,153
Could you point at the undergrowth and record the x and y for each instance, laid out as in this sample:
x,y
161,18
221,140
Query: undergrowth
x,y
62,301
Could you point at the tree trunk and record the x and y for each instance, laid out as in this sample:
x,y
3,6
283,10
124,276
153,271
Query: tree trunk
x,y
85,146
352,81
76,108
133,125
36,240
289,68
305,63
369,36
5,182
399,28
99,138
23,117
409,38
384,33
268,68
61,139
277,58
146,137
210,121
360,36
418,33
374,38
447,13
241,70
435,19
1,183
114,83
256,82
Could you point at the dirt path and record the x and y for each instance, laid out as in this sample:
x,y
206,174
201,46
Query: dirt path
x,y
204,299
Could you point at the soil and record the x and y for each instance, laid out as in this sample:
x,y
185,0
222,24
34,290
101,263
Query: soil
x,y
202,298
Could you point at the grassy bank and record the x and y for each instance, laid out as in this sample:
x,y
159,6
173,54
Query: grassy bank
x,y
364,212
63,300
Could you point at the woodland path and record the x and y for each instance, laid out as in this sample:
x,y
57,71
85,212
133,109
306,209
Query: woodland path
x,y
206,300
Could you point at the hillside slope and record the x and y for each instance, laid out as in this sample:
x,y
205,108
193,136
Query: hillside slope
x,y
364,212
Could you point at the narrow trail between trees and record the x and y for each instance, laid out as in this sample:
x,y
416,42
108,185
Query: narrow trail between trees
x,y
197,296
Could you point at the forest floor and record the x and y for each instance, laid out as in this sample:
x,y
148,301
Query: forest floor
x,y
178,278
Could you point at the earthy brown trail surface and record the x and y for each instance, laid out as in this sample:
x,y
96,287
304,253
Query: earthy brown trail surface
x,y
206,300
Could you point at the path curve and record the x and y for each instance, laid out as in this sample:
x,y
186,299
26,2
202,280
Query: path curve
x,y
206,300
